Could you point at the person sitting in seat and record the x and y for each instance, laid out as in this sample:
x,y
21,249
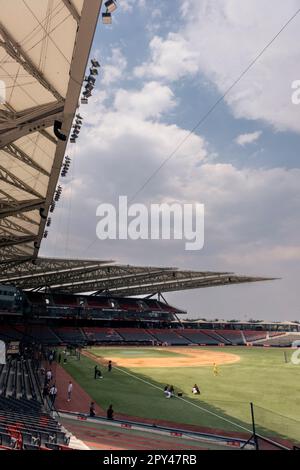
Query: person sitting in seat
x,y
196,390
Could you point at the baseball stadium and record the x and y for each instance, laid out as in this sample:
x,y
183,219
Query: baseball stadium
x,y
93,356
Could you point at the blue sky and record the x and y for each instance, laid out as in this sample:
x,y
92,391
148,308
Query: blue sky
x,y
164,64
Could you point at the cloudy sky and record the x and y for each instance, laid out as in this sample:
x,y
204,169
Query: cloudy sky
x,y
164,66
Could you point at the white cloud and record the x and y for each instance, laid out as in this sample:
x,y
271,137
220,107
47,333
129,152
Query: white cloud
x,y
114,68
128,5
152,100
170,59
220,39
244,139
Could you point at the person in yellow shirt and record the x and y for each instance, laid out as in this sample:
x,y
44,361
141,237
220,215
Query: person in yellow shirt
x,y
216,369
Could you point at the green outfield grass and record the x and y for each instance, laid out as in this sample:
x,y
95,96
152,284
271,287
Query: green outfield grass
x,y
261,376
135,352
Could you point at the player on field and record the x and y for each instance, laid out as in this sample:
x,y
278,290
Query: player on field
x,y
216,369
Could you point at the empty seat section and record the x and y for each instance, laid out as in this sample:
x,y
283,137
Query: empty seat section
x,y
232,336
199,337
283,340
102,335
251,335
169,336
135,335
25,421
70,335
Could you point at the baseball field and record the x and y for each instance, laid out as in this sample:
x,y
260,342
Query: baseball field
x,y
264,376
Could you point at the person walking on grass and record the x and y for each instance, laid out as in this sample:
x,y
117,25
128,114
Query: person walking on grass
x,y
70,389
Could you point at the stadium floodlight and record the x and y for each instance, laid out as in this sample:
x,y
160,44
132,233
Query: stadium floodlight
x,y
95,63
110,6
90,79
89,86
73,141
106,18
87,94
93,71
84,101
78,116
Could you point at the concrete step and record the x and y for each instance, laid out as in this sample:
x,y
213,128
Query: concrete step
x,y
77,444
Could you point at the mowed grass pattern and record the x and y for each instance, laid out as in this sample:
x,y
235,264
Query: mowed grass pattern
x,y
128,353
261,377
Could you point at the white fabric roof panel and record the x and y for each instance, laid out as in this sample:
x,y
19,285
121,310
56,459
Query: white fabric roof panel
x,y
44,48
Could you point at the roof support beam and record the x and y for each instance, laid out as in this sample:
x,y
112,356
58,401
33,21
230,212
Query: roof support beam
x,y
14,151
27,123
13,180
15,51
13,253
72,10
12,240
11,227
7,210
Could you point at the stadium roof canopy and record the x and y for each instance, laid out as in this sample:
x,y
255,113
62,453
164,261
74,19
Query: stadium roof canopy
x,y
78,276
44,49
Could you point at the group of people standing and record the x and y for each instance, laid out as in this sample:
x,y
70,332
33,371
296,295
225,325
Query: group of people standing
x,y
50,388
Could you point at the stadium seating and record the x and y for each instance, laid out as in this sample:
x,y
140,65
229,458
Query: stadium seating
x,y
231,336
129,305
98,302
70,335
135,335
282,340
199,337
153,305
276,333
24,421
39,334
169,336
102,335
18,379
8,333
251,335
65,300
